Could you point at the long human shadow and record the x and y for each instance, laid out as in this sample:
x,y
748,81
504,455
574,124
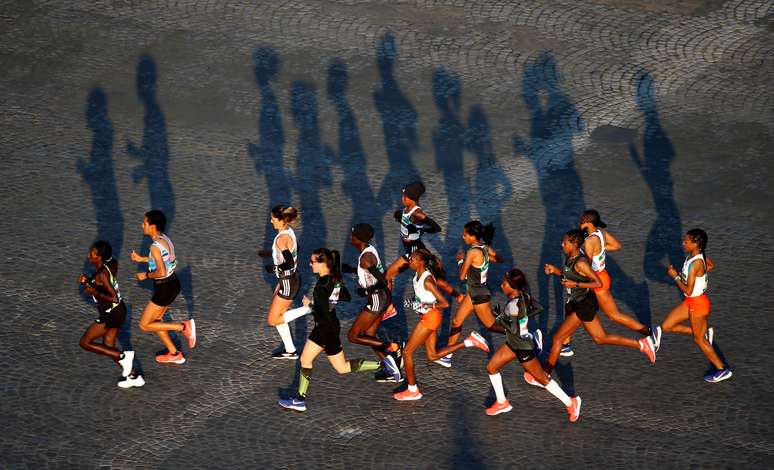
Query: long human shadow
x,y
267,155
99,174
153,156
399,124
654,164
553,123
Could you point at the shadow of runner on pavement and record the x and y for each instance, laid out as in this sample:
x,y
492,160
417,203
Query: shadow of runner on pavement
x,y
662,246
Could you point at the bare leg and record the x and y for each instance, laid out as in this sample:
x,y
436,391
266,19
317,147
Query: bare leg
x,y
673,321
699,326
98,330
598,334
608,306
569,325
417,338
363,332
277,308
151,321
463,310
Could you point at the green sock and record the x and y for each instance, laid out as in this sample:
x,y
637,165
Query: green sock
x,y
362,365
303,381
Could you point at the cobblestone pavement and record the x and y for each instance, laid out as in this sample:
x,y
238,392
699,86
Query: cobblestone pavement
x,y
658,114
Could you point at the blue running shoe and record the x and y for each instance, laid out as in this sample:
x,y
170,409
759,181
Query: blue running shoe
x,y
718,376
297,404
656,337
445,361
537,338
391,367
567,351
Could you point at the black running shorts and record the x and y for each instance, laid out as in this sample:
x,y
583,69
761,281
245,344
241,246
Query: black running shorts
x,y
378,301
326,335
114,318
586,308
165,290
289,286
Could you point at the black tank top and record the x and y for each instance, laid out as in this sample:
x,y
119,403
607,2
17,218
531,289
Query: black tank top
x,y
574,293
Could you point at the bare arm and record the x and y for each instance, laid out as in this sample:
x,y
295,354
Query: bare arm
x,y
611,243
433,289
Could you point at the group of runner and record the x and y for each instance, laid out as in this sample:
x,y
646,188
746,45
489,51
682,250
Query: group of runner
x,y
583,276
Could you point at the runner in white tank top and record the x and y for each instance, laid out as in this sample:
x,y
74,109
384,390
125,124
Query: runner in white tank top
x,y
695,308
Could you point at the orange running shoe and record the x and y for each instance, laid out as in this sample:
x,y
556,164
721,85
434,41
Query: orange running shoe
x,y
407,395
648,348
478,341
189,331
498,408
171,358
574,409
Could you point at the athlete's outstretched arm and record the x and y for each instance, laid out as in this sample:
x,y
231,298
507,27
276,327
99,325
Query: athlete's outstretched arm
x,y
611,243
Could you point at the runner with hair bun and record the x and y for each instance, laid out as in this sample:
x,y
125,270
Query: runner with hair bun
x,y
427,302
328,292
692,282
284,254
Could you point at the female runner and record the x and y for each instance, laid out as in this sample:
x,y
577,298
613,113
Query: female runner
x,y
474,267
413,224
103,288
328,291
520,345
373,285
428,302
284,253
692,282
581,308
161,268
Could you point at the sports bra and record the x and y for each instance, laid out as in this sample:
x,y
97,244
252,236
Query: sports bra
x,y
167,256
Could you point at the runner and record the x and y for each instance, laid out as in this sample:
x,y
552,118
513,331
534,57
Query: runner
x,y
161,268
284,253
428,301
519,345
373,286
328,291
103,288
413,224
692,282
474,268
596,245
581,307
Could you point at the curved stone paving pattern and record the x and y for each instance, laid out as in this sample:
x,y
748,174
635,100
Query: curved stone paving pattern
x,y
549,86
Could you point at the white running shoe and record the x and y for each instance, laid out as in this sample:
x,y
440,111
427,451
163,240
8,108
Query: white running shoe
x,y
710,335
130,382
657,338
126,363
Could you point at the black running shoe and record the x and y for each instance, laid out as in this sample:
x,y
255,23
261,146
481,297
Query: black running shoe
x,y
384,376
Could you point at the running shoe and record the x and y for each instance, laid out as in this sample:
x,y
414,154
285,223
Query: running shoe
x,y
530,379
567,350
281,354
389,313
445,361
126,363
189,331
397,355
384,376
718,376
574,409
657,337
130,382
537,338
407,395
391,367
648,348
710,335
296,404
478,341
171,358
498,408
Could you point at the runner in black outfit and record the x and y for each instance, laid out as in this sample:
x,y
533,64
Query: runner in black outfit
x,y
103,288
328,291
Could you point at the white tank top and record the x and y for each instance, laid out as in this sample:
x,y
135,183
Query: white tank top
x,y
405,221
700,284
276,253
364,278
598,260
425,300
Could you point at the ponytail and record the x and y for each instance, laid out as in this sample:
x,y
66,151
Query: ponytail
x,y
483,233
335,266
286,214
431,262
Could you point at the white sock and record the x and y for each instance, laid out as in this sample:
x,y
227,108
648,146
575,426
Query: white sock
x,y
284,332
468,343
497,384
557,391
291,315
412,388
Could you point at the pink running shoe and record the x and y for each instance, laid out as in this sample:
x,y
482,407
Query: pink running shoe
x,y
171,358
498,408
531,380
574,409
648,348
407,395
478,341
389,313
189,331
